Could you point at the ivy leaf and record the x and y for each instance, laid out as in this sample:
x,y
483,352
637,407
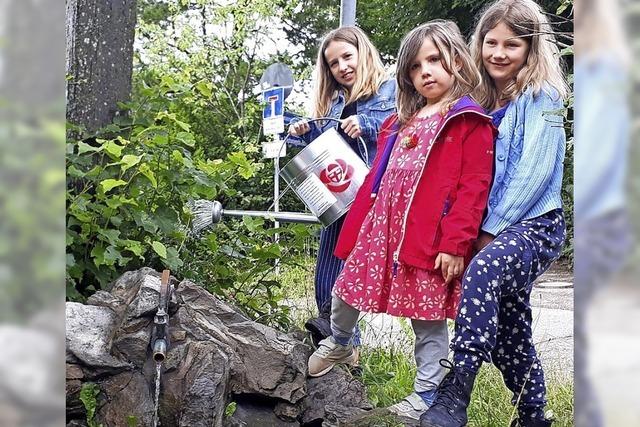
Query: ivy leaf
x,y
160,249
109,184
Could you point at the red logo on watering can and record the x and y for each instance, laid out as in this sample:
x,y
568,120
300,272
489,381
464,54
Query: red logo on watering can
x,y
337,176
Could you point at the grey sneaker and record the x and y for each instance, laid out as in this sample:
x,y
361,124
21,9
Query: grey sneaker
x,y
411,406
328,354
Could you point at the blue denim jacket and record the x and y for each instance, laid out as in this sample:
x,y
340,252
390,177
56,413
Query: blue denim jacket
x,y
372,112
529,160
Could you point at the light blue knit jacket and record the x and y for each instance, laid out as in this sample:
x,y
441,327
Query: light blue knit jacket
x,y
529,156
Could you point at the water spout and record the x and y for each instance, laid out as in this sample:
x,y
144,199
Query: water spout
x,y
159,350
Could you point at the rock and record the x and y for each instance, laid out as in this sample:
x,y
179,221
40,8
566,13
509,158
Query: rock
x,y
193,392
263,360
255,412
90,330
336,395
125,395
214,352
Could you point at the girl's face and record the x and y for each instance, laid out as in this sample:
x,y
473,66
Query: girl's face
x,y
342,58
428,75
503,54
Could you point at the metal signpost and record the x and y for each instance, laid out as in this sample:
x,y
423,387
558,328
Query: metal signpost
x,y
276,84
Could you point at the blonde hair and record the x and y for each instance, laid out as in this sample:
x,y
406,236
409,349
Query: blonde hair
x,y
456,60
370,72
527,21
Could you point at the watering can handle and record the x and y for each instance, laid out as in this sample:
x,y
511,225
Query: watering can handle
x,y
359,139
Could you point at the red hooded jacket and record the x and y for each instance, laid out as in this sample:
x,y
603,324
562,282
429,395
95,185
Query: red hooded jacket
x,y
446,210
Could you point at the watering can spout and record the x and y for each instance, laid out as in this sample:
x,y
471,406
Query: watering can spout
x,y
217,211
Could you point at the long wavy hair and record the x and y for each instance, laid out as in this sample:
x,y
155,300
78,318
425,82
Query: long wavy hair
x,y
456,60
527,21
370,72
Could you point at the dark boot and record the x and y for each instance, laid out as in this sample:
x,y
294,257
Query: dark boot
x,y
454,395
319,327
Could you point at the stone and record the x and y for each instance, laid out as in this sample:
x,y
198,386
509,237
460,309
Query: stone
x,y
90,330
215,354
331,394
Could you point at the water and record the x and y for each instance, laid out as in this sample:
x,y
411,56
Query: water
x,y
156,421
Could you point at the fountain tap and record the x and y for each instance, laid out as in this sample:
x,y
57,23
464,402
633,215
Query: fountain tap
x,y
160,339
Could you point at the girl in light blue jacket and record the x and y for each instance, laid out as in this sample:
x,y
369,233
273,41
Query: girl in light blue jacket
x,y
523,87
352,86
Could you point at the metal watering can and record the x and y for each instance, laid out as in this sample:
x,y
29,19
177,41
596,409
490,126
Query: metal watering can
x,y
326,176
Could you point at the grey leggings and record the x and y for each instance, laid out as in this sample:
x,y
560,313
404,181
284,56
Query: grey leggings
x,y
432,340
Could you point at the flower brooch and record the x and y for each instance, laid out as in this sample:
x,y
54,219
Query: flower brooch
x,y
409,141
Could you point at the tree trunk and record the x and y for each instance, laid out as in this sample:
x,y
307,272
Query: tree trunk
x,y
99,57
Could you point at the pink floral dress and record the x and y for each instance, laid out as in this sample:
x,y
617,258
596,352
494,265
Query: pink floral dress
x,y
367,281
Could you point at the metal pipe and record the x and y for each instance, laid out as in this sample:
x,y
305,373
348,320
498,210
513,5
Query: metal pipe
x,y
217,211
347,13
277,216
159,350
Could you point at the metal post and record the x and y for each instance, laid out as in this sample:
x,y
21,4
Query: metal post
x,y
347,12
276,201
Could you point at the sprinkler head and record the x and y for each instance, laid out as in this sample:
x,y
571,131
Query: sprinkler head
x,y
216,212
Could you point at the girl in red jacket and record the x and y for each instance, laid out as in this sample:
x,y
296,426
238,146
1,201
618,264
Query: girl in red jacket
x,y
410,231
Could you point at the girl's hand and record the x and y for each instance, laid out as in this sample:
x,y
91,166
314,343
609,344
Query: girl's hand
x,y
351,126
299,128
483,240
451,266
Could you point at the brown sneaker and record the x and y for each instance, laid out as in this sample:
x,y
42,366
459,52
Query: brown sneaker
x,y
328,354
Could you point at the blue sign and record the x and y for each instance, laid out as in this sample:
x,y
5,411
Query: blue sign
x,y
275,102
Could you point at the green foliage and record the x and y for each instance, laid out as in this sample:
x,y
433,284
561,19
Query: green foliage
x,y
389,374
88,397
230,409
190,131
386,22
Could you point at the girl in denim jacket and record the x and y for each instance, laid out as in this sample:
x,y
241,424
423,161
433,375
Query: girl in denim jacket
x,y
352,85
524,229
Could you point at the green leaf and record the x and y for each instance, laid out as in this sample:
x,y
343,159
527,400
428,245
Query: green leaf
x,y
253,223
109,184
85,148
133,246
88,394
230,409
159,248
129,161
186,138
173,260
146,171
113,149
205,88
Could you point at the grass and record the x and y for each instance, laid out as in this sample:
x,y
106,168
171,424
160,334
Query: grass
x,y
388,372
388,375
